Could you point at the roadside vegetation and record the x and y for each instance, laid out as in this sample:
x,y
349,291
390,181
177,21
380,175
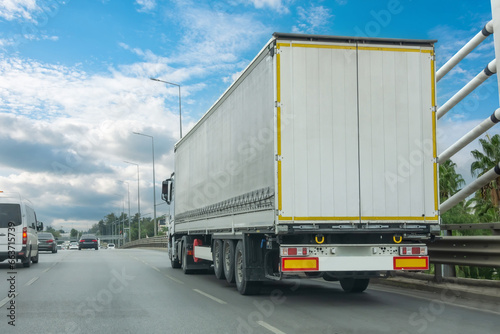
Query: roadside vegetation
x,y
482,207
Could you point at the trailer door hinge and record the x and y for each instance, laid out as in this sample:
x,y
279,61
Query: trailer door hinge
x,y
278,157
277,104
434,109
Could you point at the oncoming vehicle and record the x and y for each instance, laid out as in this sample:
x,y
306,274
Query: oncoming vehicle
x,y
111,246
18,230
88,241
47,242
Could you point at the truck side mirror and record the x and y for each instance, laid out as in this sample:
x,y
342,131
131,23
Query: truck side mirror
x,y
40,227
166,191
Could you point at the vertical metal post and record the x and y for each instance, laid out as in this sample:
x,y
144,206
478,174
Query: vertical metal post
x,y
154,177
495,13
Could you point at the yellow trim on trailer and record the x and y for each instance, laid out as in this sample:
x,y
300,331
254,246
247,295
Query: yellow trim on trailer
x,y
346,47
278,130
371,48
434,144
278,122
324,46
279,45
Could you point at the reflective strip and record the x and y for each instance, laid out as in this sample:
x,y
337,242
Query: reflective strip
x,y
412,263
299,264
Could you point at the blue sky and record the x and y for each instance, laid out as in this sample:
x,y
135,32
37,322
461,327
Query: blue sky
x,y
74,83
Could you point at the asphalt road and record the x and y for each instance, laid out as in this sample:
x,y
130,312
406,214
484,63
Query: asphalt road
x,y
136,291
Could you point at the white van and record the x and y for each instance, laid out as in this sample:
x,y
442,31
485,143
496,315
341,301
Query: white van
x,y
18,230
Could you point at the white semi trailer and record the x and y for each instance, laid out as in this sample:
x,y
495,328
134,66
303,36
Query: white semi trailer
x,y
320,160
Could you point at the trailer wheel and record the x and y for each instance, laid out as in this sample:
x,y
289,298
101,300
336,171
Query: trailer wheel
x,y
228,262
314,274
218,257
329,277
185,259
174,263
244,287
354,285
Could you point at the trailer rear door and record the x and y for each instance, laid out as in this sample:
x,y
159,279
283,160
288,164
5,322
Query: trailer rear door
x,y
355,132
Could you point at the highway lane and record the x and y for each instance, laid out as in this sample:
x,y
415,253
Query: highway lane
x,y
136,290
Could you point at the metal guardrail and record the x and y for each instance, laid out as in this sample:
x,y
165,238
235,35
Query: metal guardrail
x,y
158,242
478,251
495,227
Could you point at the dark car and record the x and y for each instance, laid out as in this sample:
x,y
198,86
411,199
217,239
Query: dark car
x,y
47,242
88,241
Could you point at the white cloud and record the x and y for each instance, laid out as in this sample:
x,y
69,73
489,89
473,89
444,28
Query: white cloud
x,y
146,5
312,19
276,5
66,132
215,37
18,9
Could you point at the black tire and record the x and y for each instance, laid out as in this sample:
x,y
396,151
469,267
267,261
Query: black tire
x,y
244,287
328,277
79,248
174,263
314,274
54,250
34,259
228,260
354,285
97,248
27,261
218,257
185,260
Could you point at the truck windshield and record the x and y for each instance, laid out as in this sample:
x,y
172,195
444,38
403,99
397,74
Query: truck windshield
x,y
10,213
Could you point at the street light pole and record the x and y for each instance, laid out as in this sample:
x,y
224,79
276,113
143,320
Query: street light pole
x,y
154,179
138,198
128,193
180,114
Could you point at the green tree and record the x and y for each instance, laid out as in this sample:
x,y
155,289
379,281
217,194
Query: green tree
x,y
450,182
52,230
485,161
73,233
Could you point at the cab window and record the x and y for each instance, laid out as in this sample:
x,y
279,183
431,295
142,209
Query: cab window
x,y
30,217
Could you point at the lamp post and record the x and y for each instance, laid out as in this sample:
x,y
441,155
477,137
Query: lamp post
x,y
154,180
138,198
180,115
128,194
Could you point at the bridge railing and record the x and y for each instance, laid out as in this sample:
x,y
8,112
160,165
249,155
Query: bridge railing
x,y
157,242
476,251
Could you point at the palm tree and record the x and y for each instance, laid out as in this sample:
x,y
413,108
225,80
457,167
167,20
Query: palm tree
x,y
484,162
449,181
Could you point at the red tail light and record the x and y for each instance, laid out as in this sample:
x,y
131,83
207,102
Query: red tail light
x,y
25,235
294,251
94,240
81,240
49,241
408,250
